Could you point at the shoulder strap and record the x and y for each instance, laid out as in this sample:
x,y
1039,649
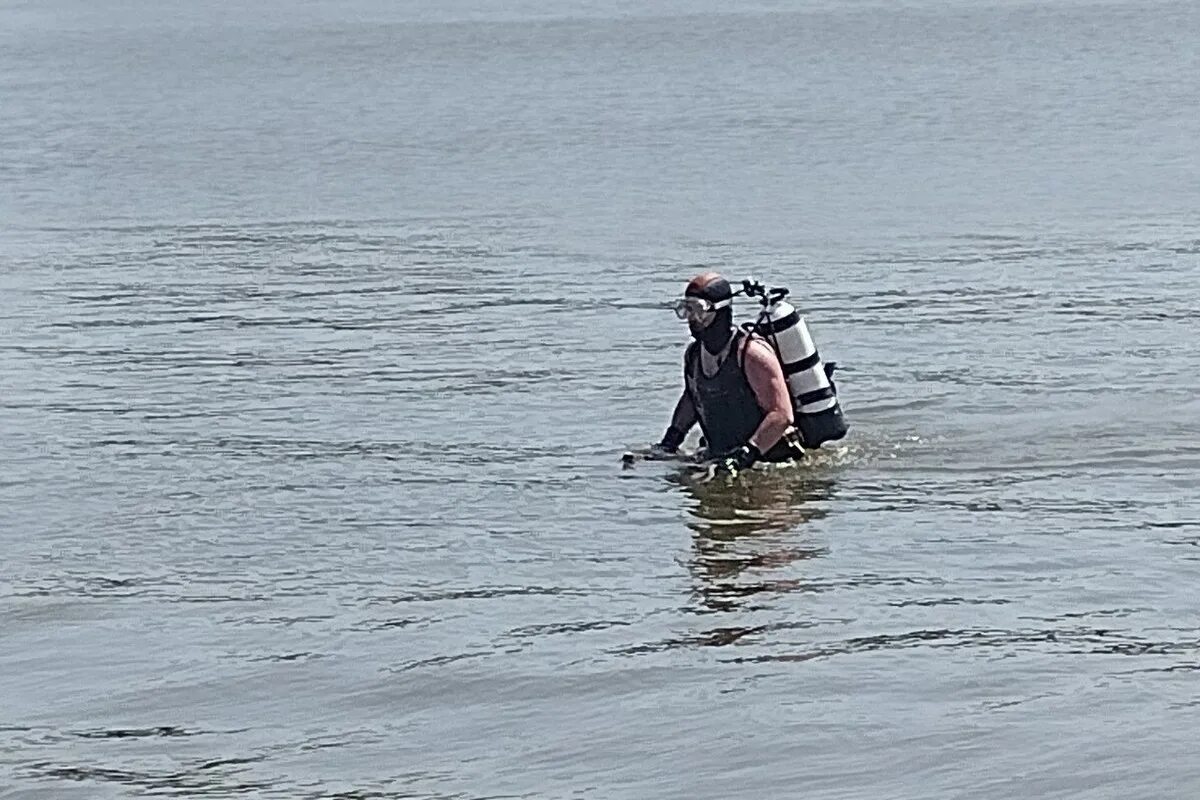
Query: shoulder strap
x,y
690,362
742,347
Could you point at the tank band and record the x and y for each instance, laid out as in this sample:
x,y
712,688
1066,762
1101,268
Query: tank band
x,y
780,325
808,362
816,395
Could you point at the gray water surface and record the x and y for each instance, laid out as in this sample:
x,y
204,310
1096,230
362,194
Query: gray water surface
x,y
323,328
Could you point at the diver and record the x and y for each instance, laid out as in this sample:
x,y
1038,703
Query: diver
x,y
733,386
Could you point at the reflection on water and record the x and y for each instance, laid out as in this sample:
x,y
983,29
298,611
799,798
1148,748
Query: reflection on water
x,y
746,529
748,542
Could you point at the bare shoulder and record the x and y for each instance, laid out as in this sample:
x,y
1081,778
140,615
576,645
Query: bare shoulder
x,y
759,352
759,362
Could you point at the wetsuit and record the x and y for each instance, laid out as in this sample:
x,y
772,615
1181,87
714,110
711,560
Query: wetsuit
x,y
725,404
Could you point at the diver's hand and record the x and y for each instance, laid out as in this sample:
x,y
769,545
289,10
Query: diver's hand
x,y
669,446
659,453
739,460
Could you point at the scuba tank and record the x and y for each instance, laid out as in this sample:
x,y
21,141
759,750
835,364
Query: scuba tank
x,y
818,414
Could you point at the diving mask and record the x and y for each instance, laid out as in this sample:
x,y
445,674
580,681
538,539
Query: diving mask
x,y
695,309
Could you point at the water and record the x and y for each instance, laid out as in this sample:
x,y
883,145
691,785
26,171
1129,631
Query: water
x,y
325,326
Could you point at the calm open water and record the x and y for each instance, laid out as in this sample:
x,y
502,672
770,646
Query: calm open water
x,y
323,327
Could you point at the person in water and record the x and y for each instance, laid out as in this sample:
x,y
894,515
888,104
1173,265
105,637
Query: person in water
x,y
733,385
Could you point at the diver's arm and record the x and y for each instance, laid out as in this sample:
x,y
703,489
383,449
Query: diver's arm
x,y
770,390
685,414
682,421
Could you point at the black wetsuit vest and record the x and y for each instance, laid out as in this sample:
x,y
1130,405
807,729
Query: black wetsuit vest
x,y
725,404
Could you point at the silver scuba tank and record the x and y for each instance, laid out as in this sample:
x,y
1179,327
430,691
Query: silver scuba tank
x,y
818,413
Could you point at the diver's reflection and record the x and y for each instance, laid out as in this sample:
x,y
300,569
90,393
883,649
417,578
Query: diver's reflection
x,y
750,524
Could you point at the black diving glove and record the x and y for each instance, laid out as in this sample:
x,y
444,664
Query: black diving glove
x,y
741,459
670,442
